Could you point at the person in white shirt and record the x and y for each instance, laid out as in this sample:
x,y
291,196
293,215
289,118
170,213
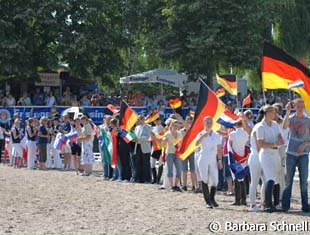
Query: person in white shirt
x,y
31,133
237,142
209,160
255,167
86,138
269,139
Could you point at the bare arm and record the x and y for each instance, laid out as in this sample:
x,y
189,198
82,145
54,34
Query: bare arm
x,y
286,121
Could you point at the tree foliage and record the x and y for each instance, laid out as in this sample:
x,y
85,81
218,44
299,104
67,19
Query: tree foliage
x,y
105,39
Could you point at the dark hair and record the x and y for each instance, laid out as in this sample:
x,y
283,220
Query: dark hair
x,y
260,115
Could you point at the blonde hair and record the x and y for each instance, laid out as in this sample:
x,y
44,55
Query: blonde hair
x,y
42,119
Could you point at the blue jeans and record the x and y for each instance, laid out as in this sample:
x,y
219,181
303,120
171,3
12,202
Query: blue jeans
x,y
173,159
302,162
117,172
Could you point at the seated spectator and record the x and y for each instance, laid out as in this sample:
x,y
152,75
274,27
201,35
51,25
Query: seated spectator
x,y
24,100
50,100
84,101
10,100
38,98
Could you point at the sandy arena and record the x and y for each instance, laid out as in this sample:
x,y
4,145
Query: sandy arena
x,y
56,202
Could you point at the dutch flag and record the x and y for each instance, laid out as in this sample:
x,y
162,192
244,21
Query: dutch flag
x,y
228,119
296,84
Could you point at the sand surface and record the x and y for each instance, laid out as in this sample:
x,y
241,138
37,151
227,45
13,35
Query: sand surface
x,y
56,202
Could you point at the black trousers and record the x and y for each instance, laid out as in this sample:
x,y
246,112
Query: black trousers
x,y
143,165
1,148
125,161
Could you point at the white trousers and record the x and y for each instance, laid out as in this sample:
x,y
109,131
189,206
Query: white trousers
x,y
31,153
56,156
196,156
270,163
208,169
256,173
49,160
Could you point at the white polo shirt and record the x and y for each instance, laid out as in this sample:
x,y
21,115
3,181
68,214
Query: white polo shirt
x,y
254,149
209,143
268,133
239,138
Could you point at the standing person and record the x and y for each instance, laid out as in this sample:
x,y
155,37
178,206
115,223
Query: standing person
x,y
55,152
297,154
86,139
188,162
2,131
255,167
237,142
17,151
142,150
49,162
76,145
31,134
42,142
171,139
105,143
65,129
269,139
158,131
209,160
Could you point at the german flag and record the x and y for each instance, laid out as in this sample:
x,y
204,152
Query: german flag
x,y
128,117
279,70
229,82
208,105
153,116
247,100
175,102
220,92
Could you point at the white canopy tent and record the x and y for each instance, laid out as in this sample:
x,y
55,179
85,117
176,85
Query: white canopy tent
x,y
163,76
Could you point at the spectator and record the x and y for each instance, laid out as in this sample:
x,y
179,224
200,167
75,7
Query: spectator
x,y
50,100
84,101
24,100
10,100
38,98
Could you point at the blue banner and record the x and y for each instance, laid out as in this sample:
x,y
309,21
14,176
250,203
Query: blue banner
x,y
95,113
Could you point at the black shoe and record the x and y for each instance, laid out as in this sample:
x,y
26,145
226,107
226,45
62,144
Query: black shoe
x,y
206,195
270,209
154,173
212,197
242,193
184,188
160,172
306,210
237,194
177,189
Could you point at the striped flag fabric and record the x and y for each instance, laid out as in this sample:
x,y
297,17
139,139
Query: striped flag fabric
x,y
106,145
71,136
128,117
220,92
175,102
113,108
153,116
296,84
238,164
59,141
247,100
192,113
208,105
280,69
229,82
228,119
127,136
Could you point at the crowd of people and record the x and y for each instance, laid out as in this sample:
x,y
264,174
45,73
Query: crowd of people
x,y
254,153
